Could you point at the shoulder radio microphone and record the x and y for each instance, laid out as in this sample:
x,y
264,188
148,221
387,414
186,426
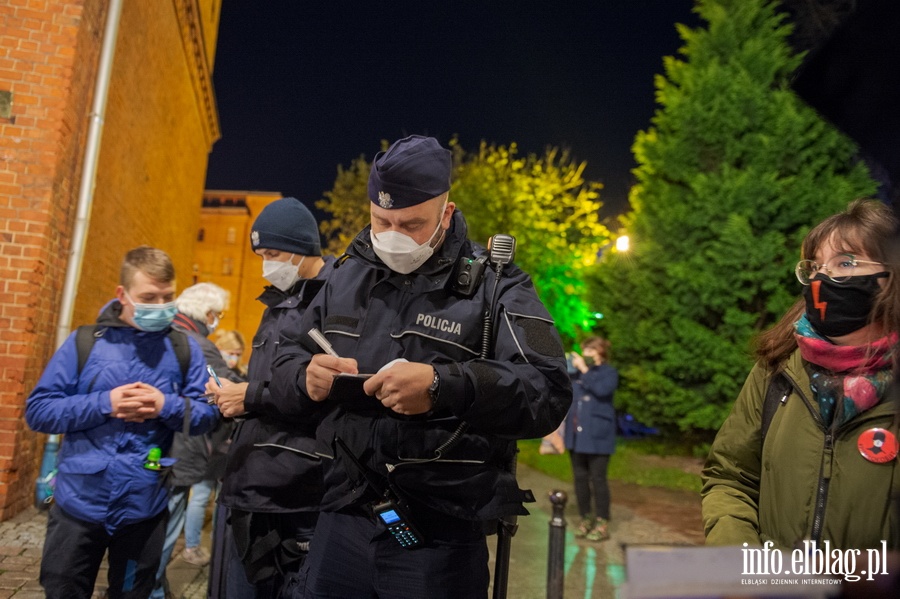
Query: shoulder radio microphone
x,y
469,272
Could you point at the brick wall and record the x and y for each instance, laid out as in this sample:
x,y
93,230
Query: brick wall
x,y
160,125
39,170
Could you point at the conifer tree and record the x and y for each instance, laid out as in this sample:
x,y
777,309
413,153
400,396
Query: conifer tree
x,y
731,175
347,202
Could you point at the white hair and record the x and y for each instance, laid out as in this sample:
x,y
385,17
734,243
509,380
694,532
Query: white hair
x,y
197,300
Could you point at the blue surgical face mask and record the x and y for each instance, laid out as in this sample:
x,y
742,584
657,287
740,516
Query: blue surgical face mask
x,y
152,317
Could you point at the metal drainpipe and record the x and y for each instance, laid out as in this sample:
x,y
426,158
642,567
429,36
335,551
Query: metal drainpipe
x,y
86,190
89,172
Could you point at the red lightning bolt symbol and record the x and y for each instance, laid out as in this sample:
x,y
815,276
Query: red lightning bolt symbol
x,y
816,303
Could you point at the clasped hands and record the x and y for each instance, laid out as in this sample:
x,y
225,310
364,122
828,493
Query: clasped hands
x,y
136,402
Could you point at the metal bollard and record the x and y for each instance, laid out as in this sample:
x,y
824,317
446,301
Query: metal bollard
x,y
556,555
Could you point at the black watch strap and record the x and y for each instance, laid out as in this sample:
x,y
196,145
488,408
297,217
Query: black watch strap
x,y
433,389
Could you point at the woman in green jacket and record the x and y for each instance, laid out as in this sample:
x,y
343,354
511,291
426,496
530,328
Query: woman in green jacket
x,y
826,468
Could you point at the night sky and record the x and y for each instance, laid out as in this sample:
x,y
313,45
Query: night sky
x,y
305,86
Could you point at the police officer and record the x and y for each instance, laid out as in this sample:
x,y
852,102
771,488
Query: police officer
x,y
427,437
273,477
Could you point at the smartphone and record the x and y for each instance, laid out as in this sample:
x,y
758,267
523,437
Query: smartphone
x,y
213,374
398,524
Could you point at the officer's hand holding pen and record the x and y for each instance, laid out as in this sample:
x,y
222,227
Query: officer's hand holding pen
x,y
322,368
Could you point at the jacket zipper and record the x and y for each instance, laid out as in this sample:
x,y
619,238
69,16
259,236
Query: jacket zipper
x,y
827,464
824,471
822,489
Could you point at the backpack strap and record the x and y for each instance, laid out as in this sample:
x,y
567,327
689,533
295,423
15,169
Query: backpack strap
x,y
777,393
85,338
182,350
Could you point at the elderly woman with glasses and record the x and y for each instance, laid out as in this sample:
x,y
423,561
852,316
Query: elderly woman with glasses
x,y
809,451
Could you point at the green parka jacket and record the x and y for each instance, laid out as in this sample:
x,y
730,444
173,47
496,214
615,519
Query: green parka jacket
x,y
806,482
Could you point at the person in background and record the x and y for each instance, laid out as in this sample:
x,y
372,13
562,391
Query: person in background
x,y
590,435
817,460
117,411
273,478
435,425
200,459
231,345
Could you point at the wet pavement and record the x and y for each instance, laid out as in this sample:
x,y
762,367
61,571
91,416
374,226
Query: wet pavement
x,y
640,516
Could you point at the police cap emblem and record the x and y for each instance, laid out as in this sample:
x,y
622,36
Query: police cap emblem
x,y
384,199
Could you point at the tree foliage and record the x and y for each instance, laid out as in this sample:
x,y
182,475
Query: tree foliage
x,y
543,201
347,202
731,175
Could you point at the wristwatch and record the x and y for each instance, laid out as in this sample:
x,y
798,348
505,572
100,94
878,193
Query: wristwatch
x,y
433,390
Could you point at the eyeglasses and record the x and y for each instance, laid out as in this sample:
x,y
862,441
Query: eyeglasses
x,y
838,269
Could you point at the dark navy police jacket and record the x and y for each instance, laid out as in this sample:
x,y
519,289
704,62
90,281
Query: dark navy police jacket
x,y
375,315
272,464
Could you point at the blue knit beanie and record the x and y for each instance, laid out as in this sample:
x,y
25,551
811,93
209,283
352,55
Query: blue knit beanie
x,y
413,170
286,225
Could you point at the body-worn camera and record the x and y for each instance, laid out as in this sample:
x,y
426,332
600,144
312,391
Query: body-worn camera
x,y
467,275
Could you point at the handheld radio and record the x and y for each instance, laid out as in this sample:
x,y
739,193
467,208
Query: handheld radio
x,y
391,510
393,513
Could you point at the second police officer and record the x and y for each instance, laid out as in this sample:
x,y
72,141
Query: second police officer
x,y
273,477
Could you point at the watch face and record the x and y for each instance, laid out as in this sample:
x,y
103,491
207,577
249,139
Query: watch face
x,y
435,383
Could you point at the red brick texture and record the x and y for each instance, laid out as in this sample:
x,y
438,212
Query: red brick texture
x,y
159,128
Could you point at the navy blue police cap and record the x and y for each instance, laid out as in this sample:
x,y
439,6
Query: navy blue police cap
x,y
413,170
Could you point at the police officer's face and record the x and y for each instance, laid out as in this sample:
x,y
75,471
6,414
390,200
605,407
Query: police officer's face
x,y
418,222
303,266
277,255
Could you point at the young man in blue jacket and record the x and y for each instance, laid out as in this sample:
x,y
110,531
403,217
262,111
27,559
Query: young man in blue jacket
x,y
128,398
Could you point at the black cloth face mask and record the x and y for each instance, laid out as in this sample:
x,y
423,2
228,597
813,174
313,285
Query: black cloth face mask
x,y
836,309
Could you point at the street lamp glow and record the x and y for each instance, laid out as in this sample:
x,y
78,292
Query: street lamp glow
x,y
622,243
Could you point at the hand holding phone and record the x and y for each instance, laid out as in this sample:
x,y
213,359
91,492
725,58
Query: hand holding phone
x,y
213,374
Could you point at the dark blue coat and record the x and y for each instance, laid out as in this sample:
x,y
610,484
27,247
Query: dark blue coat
x,y
101,477
375,315
272,464
591,423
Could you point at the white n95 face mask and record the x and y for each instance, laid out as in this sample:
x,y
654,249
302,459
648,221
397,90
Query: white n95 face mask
x,y
400,252
282,275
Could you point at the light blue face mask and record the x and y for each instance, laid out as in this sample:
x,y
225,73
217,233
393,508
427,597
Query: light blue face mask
x,y
152,317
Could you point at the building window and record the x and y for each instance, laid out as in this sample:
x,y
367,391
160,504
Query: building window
x,y
231,236
227,266
200,234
